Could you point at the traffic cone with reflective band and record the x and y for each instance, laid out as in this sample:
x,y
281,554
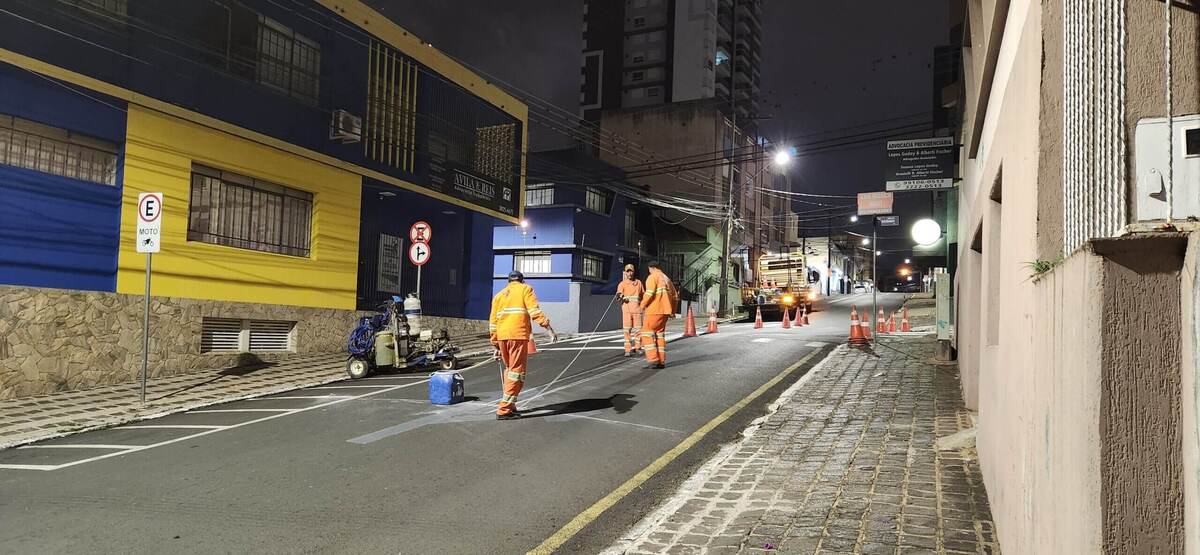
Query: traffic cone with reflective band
x,y
689,326
806,322
866,328
712,322
798,321
880,323
904,325
530,346
856,336
758,319
787,325
892,322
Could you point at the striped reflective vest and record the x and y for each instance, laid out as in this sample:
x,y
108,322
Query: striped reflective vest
x,y
661,295
631,291
512,309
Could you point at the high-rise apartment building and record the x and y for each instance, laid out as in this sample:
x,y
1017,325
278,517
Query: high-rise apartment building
x,y
639,53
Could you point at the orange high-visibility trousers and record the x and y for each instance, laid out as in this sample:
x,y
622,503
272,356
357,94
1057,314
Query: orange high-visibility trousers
x,y
654,337
514,355
631,323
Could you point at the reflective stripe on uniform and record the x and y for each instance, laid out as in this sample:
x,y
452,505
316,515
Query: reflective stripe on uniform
x,y
508,399
516,376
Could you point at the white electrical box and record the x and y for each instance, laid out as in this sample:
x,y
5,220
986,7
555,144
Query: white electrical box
x,y
1150,155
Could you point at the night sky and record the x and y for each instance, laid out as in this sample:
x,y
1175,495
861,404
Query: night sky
x,y
830,69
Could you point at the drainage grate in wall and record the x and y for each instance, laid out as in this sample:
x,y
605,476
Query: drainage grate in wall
x,y
220,335
270,336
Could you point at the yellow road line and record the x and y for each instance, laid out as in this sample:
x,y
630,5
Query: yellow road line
x,y
592,513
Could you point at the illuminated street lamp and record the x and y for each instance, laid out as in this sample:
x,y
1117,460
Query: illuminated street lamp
x,y
866,241
853,218
926,232
782,157
907,261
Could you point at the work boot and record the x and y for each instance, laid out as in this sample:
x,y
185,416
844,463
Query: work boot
x,y
659,366
628,354
514,415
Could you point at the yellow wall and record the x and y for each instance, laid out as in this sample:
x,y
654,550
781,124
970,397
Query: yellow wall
x,y
159,153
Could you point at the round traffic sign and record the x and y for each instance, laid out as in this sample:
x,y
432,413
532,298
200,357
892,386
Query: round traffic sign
x,y
150,207
419,253
420,232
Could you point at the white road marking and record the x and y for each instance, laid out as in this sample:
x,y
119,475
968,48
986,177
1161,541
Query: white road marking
x,y
598,419
79,446
760,340
622,348
295,397
169,426
236,410
815,344
324,387
215,429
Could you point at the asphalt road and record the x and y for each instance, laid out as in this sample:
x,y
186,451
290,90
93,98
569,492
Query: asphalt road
x,y
371,467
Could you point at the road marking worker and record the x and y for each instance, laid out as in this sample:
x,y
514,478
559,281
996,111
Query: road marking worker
x,y
630,292
509,326
658,305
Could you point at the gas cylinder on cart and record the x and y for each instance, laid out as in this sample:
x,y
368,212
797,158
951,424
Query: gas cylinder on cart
x,y
412,312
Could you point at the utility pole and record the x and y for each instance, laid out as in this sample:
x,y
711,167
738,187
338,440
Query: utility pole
x,y
829,257
723,295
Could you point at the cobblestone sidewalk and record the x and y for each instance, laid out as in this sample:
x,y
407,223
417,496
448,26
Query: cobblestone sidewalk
x,y
845,464
36,418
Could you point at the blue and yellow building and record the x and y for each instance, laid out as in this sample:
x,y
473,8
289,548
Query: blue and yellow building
x,y
295,142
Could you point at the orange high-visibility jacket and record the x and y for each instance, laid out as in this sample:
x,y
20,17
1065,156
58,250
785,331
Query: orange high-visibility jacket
x,y
631,290
661,295
512,309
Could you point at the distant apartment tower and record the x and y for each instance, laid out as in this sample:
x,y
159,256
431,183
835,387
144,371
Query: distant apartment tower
x,y
640,53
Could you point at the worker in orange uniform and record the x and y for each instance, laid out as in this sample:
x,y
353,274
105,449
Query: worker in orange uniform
x,y
509,326
630,292
658,305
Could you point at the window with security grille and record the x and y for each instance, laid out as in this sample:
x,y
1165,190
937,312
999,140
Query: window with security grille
x,y
56,151
288,61
494,151
532,262
598,200
234,210
390,128
539,195
593,266
630,218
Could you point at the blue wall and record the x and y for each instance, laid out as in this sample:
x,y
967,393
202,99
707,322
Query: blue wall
x,y
56,231
456,281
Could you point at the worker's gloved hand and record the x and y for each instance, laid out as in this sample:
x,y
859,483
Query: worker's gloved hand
x,y
496,353
553,336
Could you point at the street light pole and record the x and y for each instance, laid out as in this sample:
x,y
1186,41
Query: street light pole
x,y
874,277
723,295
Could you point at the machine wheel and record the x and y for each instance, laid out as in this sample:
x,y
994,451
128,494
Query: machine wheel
x,y
358,368
449,364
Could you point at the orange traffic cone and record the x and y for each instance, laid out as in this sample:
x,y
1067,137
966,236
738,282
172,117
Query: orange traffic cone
x,y
787,325
866,329
758,319
798,321
892,323
712,322
689,326
806,322
880,323
530,346
904,326
856,336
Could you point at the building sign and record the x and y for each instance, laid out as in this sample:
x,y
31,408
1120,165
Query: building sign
x,y
874,203
920,164
449,178
889,221
387,277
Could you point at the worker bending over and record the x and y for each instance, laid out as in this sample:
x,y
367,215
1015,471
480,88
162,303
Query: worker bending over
x,y
630,292
509,326
658,305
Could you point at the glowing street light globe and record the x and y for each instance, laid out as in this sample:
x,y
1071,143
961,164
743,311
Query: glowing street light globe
x,y
782,157
926,232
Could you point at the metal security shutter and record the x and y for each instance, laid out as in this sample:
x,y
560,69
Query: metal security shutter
x,y
220,335
269,335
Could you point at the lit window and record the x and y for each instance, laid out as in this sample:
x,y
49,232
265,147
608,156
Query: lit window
x,y
532,262
593,266
56,151
242,212
598,200
539,196
287,61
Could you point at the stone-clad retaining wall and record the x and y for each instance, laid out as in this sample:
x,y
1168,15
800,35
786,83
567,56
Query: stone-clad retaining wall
x,y
58,340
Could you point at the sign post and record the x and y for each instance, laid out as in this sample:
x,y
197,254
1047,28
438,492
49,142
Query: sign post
x,y
418,253
149,239
875,204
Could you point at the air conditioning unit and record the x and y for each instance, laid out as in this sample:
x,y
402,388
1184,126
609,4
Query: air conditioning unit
x,y
1150,155
345,127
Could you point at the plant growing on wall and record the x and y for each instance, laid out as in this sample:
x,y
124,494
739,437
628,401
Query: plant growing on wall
x,y
1039,267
